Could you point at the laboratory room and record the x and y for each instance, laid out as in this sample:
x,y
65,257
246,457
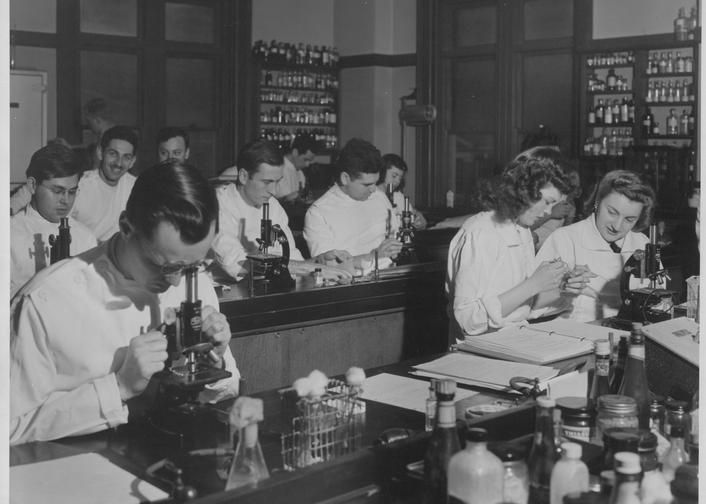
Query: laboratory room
x,y
336,251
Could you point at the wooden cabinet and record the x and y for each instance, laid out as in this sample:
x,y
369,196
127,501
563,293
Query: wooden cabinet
x,y
297,100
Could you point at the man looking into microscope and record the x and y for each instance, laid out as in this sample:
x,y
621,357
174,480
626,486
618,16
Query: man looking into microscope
x,y
84,335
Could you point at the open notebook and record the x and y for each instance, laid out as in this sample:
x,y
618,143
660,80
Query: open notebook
x,y
540,343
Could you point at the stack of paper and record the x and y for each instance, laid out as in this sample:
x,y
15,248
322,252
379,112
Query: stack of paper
x,y
538,343
479,371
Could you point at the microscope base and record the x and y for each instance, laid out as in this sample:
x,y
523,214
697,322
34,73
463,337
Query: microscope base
x,y
648,305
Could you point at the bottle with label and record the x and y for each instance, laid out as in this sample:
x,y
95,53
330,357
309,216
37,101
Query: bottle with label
x,y
684,123
611,79
601,375
624,111
634,382
672,123
430,407
591,116
628,474
543,453
569,474
443,444
475,474
647,120
622,347
631,111
600,109
608,114
680,25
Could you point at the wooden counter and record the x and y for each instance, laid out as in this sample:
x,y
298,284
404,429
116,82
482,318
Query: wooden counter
x,y
279,337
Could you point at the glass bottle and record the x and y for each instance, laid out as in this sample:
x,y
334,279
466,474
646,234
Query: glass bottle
x,y
601,374
248,465
685,486
608,113
654,489
684,123
676,454
672,123
475,474
611,79
693,438
622,351
543,453
628,474
634,382
430,407
443,443
516,478
680,25
600,109
569,474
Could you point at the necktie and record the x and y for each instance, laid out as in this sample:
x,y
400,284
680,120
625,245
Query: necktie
x,y
614,247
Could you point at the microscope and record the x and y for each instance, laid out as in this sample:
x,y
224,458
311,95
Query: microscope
x,y
176,412
646,304
271,269
405,235
60,243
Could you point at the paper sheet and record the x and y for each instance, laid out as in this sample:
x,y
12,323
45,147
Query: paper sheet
x,y
402,392
81,479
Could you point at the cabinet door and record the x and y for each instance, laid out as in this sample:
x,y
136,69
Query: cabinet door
x,y
28,120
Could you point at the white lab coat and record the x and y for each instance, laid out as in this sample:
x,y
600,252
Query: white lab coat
x,y
70,328
98,206
582,244
486,258
239,229
29,244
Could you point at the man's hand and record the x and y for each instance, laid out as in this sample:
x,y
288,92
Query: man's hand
x,y
390,247
334,256
145,356
336,274
215,326
549,275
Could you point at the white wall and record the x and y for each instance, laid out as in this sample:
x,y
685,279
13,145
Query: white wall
x,y
308,21
630,18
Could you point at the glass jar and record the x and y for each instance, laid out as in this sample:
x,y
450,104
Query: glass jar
x,y
617,440
576,418
516,478
677,416
615,411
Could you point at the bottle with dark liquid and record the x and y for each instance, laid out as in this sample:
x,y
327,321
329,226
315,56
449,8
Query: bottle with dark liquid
x,y
601,374
619,368
543,453
634,382
443,443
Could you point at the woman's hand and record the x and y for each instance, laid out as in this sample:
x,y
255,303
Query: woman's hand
x,y
577,279
549,275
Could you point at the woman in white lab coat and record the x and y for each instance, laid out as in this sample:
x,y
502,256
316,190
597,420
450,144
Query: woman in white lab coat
x,y
599,246
491,278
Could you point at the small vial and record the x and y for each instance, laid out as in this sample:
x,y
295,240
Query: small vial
x,y
430,415
318,278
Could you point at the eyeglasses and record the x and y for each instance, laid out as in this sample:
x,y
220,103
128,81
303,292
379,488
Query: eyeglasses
x,y
61,191
170,269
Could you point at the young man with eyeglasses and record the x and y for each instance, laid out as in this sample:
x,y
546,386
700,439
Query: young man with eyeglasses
x,y
52,180
104,191
85,334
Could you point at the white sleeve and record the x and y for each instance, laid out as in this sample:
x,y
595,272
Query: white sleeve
x,y
227,248
317,233
42,405
471,261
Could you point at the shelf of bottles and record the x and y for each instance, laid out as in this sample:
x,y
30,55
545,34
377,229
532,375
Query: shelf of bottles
x,y
670,98
298,92
610,115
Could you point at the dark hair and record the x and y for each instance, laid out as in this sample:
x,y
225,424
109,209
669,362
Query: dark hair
x,y
120,133
173,192
257,152
172,132
53,161
304,143
519,185
630,185
392,161
97,107
357,157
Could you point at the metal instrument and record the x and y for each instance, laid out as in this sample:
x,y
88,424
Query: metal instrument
x,y
405,235
60,243
268,268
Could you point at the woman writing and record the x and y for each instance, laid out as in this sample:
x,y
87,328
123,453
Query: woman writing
x,y
491,278
599,245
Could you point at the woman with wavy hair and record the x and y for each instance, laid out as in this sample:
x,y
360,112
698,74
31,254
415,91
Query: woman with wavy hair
x,y
623,204
491,277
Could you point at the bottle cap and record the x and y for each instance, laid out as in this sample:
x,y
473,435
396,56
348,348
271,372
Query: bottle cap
x,y
627,463
571,450
617,404
603,347
477,435
686,482
446,387
647,442
545,402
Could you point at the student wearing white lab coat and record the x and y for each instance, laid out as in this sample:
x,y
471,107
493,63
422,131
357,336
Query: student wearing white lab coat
x,y
600,245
